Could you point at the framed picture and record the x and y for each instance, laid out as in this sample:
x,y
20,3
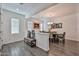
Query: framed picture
x,y
56,25
59,25
36,26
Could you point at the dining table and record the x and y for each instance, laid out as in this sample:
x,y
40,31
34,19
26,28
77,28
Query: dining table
x,y
55,37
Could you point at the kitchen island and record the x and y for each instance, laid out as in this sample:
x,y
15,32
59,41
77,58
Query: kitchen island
x,y
42,40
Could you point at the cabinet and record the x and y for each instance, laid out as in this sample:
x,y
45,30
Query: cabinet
x,y
42,40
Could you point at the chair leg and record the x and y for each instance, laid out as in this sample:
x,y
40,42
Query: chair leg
x,y
53,40
49,39
63,41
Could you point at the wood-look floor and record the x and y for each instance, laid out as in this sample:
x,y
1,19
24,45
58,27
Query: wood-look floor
x,y
70,48
21,49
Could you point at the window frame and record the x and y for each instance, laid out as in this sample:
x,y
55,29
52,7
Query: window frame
x,y
14,22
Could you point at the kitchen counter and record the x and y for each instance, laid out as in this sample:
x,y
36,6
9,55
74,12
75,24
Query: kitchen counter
x,y
44,32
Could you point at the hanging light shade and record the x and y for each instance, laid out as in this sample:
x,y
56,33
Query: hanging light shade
x,y
50,23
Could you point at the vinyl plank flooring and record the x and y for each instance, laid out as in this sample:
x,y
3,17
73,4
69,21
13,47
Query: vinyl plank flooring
x,y
22,49
70,48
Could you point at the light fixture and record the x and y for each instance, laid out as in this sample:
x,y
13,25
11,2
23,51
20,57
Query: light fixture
x,y
50,23
17,9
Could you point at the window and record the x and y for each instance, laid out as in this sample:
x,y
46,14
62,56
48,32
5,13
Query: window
x,y
41,27
14,25
29,24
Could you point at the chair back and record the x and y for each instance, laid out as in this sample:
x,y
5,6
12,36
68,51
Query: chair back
x,y
33,34
64,35
29,34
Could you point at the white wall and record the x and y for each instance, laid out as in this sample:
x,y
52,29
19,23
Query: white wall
x,y
0,19
78,25
0,31
6,27
69,24
70,20
78,21
68,14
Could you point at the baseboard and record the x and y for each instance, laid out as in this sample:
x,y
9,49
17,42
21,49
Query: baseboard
x,y
73,39
12,42
43,49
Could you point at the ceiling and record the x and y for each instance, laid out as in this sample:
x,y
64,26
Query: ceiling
x,y
59,10
27,9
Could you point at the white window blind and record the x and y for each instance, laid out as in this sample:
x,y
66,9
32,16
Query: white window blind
x,y
14,25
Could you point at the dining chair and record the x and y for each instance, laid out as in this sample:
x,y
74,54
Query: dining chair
x,y
53,37
61,37
33,34
29,34
50,37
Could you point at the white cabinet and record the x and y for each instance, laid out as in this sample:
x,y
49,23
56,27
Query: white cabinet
x,y
42,40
